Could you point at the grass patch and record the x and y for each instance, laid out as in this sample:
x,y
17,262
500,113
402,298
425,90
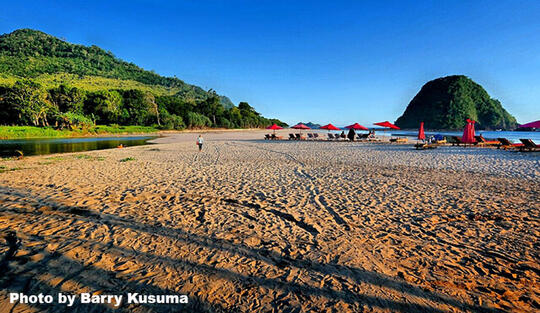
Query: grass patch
x,y
24,132
89,157
117,129
21,132
55,158
128,159
5,169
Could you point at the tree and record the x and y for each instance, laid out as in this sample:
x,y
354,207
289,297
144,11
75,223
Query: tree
x,y
141,107
197,120
152,106
30,102
107,106
175,105
211,107
8,113
67,99
234,116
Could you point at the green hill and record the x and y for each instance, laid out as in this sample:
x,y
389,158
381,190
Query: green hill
x,y
31,53
45,81
446,103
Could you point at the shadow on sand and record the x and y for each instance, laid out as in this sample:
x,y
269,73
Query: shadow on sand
x,y
20,272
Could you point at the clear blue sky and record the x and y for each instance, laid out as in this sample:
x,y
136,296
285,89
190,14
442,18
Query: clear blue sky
x,y
320,61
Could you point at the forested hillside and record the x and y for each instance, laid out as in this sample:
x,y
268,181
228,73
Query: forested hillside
x,y
45,81
447,102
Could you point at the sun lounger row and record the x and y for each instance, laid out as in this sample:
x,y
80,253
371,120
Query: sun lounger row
x,y
310,136
272,137
344,137
500,143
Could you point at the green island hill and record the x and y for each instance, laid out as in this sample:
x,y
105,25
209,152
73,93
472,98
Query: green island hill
x,y
447,102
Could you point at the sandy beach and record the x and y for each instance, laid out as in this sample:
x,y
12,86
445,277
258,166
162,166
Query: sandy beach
x,y
249,225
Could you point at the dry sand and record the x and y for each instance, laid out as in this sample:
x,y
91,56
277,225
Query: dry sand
x,y
255,226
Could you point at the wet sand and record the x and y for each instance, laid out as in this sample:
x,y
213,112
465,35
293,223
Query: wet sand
x,y
250,225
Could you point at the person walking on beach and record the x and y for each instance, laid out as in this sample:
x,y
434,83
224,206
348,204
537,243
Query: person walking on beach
x,y
200,142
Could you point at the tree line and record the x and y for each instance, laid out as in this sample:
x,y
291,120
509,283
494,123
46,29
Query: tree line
x,y
27,102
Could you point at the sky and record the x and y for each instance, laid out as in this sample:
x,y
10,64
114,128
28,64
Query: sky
x,y
319,61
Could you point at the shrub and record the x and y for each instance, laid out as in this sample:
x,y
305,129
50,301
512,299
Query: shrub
x,y
73,120
172,121
197,120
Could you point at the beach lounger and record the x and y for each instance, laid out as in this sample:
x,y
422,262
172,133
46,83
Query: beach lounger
x,y
310,136
456,141
291,137
423,146
507,144
362,136
528,145
331,136
274,137
315,135
300,137
480,140
398,140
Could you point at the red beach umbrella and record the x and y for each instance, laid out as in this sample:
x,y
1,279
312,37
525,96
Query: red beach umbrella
x,y
421,134
356,126
531,125
300,126
329,127
274,127
386,124
468,132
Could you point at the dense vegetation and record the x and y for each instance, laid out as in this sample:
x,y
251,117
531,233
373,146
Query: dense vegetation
x,y
45,81
446,103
